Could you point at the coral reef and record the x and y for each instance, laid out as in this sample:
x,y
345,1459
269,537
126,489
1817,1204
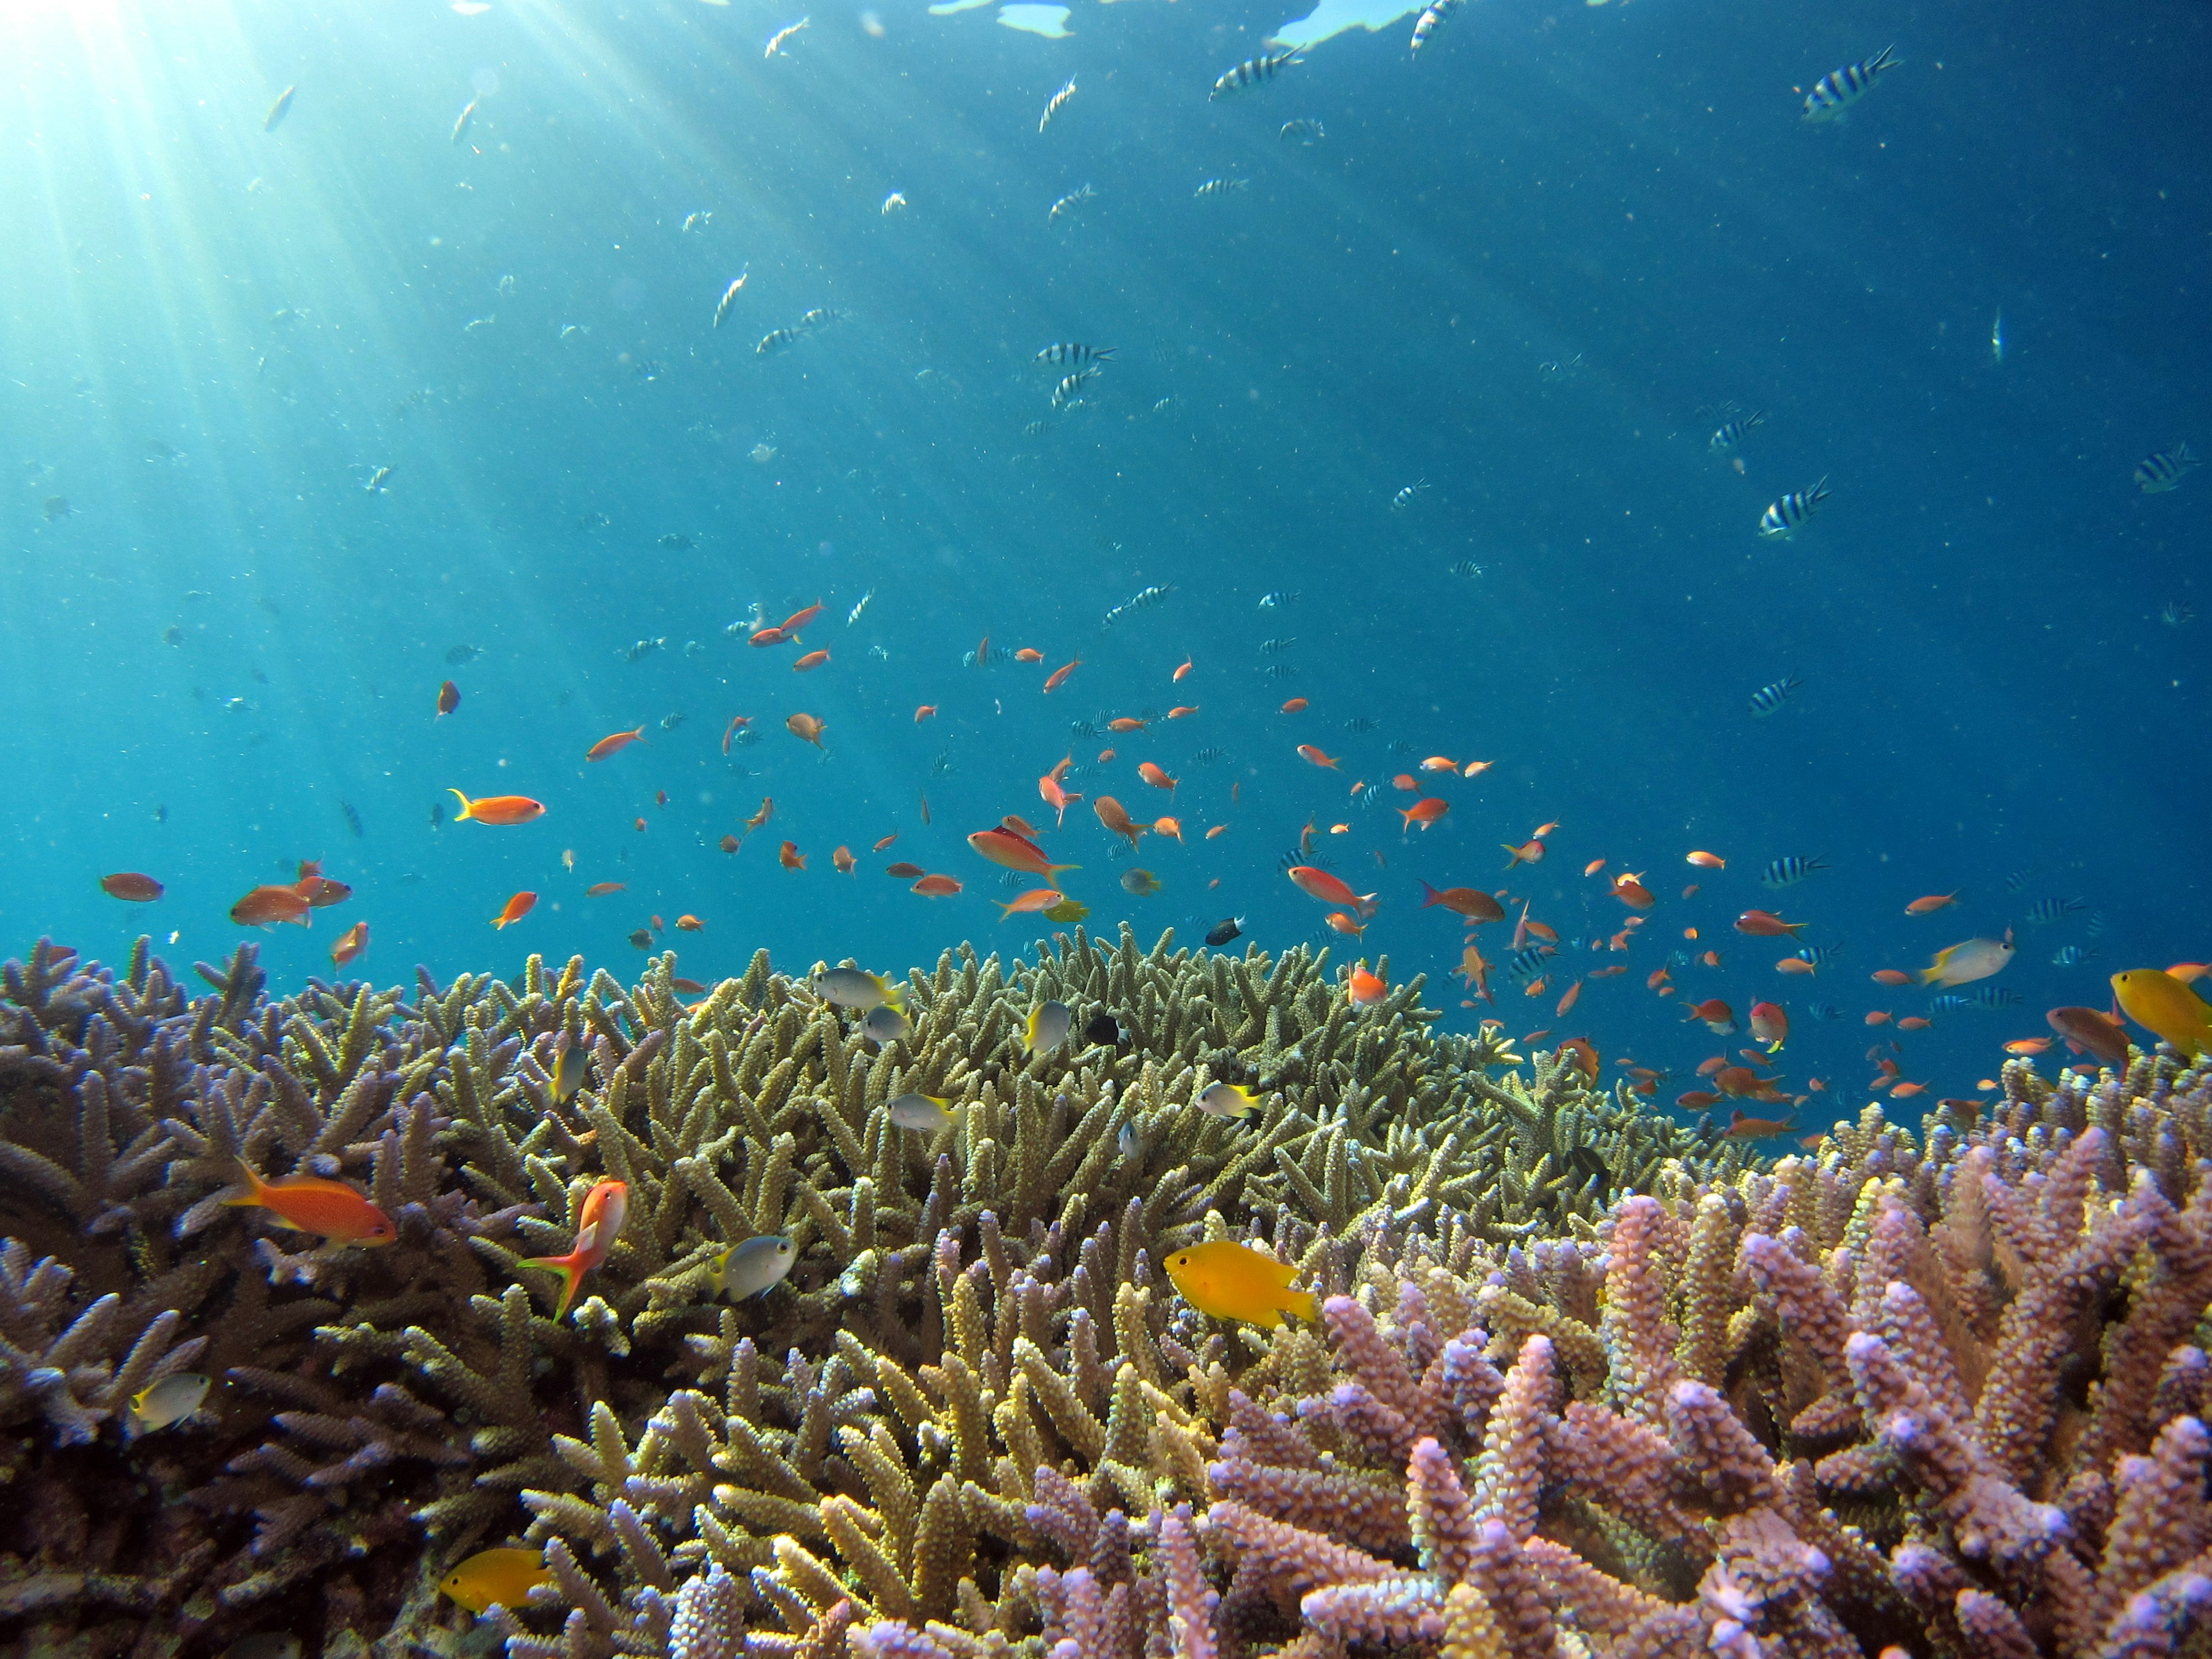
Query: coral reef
x,y
1583,1386
966,1307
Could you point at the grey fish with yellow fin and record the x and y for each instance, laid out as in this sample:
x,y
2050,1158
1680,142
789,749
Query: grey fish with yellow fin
x,y
172,1399
752,1268
852,987
1048,1027
927,1113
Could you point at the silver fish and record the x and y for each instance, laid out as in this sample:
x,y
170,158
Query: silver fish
x,y
853,614
1405,498
172,1399
1070,202
1047,1027
777,339
1068,351
1303,130
752,1268
461,122
927,1113
279,110
729,297
1058,103
851,988
1069,390
1221,186
1252,72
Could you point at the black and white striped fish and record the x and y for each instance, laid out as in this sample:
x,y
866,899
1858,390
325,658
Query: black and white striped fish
x,y
1361,723
1276,599
1768,698
1211,755
2018,879
1221,186
2094,928
2071,956
1269,648
1404,746
1069,390
1824,1011
1989,996
1788,515
1464,567
1252,72
1838,90
1303,130
1431,20
1364,797
2053,910
1280,671
1059,102
1144,599
1069,352
1819,955
1788,872
2156,474
729,297
1525,965
1072,200
1405,498
779,339
1731,433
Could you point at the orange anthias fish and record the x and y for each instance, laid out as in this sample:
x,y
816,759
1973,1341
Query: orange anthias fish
x,y
1058,678
1708,860
1476,972
1329,889
498,809
1531,852
790,857
1169,827
130,885
1630,891
806,726
903,871
598,1224
1424,812
798,619
1126,723
1405,781
1115,817
1053,795
1005,846
2092,1029
309,1204
1365,989
887,841
813,660
1037,898
1574,995
613,744
1756,1128
842,860
1929,905
1770,1024
266,906
1471,903
350,943
601,889
1345,922
761,636
689,924
1796,965
1217,830
767,811
1294,706
449,699
2028,1045
1105,755
1891,976
1029,653
1765,924
1156,777
738,723
1182,712
1181,671
923,711
1307,751
516,908
1438,764
1717,1015
936,887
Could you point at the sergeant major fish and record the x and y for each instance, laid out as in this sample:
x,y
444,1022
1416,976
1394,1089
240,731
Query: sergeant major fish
x,y
775,41
1431,20
1785,516
1252,72
1071,201
1770,697
1838,90
729,297
1221,186
1730,434
1059,101
2156,474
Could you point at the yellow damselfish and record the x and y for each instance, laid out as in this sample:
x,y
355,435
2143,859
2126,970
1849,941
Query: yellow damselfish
x,y
504,1576
1231,1281
2161,1003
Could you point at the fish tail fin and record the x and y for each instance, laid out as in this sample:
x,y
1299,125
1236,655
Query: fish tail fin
x,y
1052,871
571,1271
718,1274
256,1187
464,800
1430,895
1301,1303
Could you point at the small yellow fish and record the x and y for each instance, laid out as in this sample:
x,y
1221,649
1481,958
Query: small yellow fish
x,y
2160,1002
1067,910
503,1576
1231,1281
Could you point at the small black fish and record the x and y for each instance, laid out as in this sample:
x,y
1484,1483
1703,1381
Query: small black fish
x,y
1103,1029
641,939
347,811
437,813
461,654
1222,932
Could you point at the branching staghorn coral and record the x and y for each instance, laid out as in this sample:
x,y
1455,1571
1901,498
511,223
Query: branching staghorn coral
x,y
967,1309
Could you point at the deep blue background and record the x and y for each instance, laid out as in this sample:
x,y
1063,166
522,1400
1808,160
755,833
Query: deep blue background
x,y
1988,688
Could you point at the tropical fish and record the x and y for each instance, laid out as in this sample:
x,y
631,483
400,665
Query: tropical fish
x,y
1707,860
1838,90
279,110
788,854
308,1204
1770,1024
461,122
1431,20
1788,872
1252,72
1930,904
1071,201
1768,698
2156,474
498,809
775,41
1968,961
1047,1028
172,1399
729,298
2046,910
598,1224
130,885
1222,932
2160,1003
568,1069
936,887
1317,883
1471,903
1786,515
886,1024
272,903
1221,186
1039,898
1015,851
2092,1029
1730,434
515,909
1424,812
1142,883
1233,1281
1115,817
1765,924
449,699
806,726
1303,130
1067,352
500,1577
1365,989
349,944
928,1113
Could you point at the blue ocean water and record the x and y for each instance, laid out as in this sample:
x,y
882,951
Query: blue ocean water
x,y
1518,280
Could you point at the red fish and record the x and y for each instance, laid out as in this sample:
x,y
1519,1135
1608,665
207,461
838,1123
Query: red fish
x,y
765,636
1574,994
1029,653
1016,851
1365,989
614,744
1296,705
1477,906
449,699
904,871
2093,1030
887,841
1929,905
807,726
497,809
1717,1015
923,712
1529,853
1115,817
813,660
1756,1128
130,885
798,619
308,1204
1424,812
516,908
598,1224
1126,723
350,943
936,887
267,906
1891,977
1307,751
1055,680
1707,860
601,889
1319,884
1765,924
1632,891
1770,1024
